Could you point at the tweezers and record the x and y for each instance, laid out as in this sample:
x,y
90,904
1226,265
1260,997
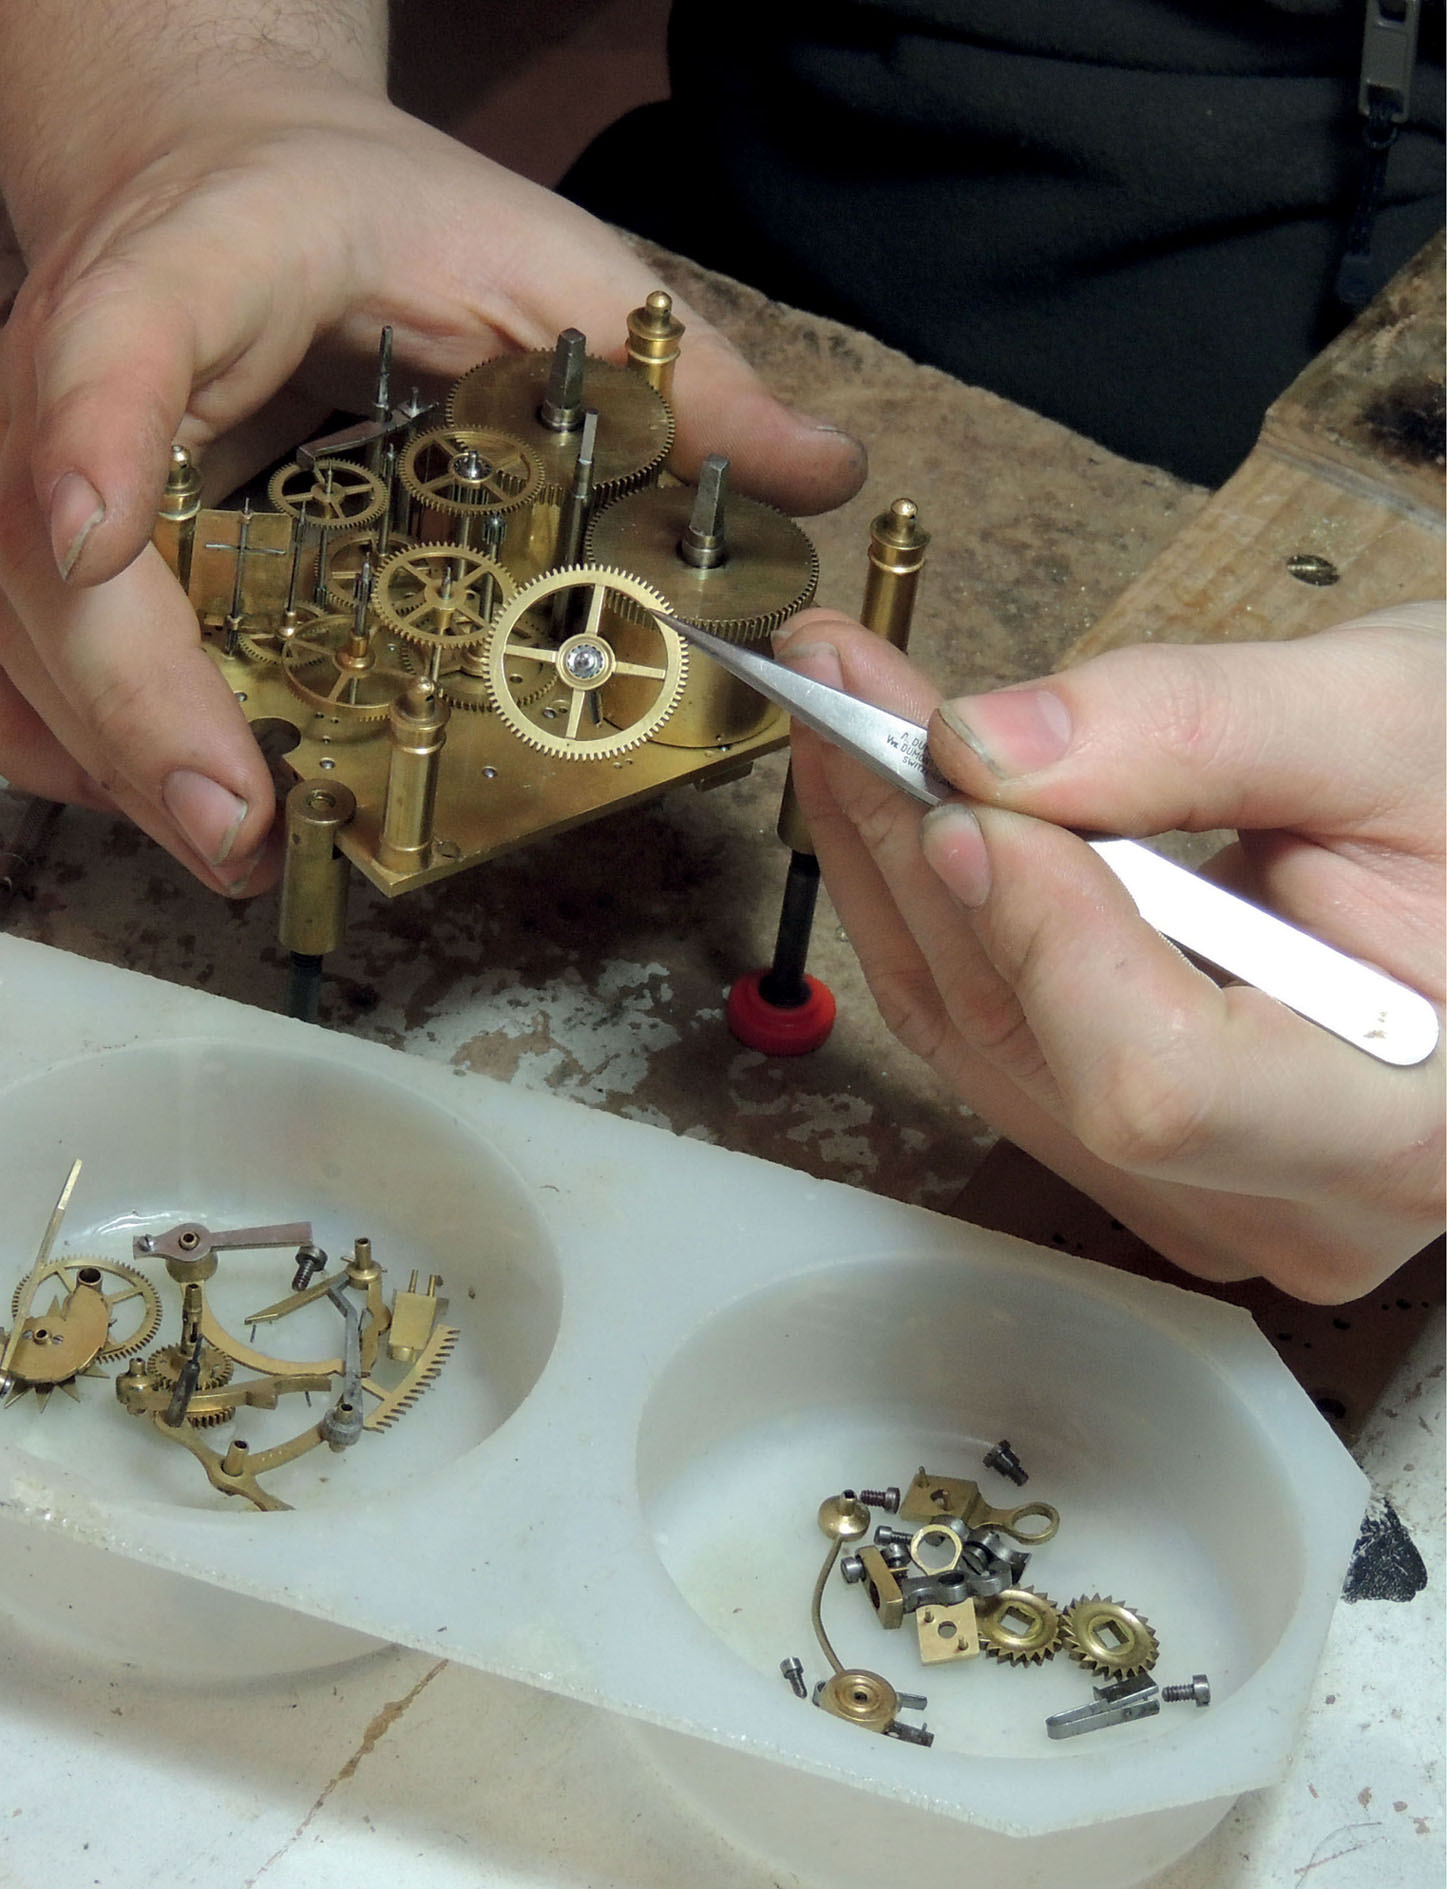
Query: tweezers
x,y
1353,1000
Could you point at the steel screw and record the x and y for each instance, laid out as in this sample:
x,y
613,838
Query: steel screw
x,y
887,1537
886,1499
851,1566
793,1671
1004,1459
1199,1690
310,1260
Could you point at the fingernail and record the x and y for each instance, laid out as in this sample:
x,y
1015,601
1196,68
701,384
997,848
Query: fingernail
x,y
76,508
209,814
952,842
1013,731
857,448
818,661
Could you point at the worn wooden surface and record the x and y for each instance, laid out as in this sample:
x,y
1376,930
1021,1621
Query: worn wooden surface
x,y
1348,472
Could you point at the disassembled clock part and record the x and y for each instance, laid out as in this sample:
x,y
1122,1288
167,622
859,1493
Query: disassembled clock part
x,y
190,1387
863,1698
957,1565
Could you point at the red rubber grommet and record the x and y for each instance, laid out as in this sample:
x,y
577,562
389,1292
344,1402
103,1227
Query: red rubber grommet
x,y
772,1028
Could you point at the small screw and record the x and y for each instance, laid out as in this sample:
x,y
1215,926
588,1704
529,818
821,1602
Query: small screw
x,y
886,1537
1199,1690
886,1499
310,1260
1308,568
1004,1459
895,1555
793,1671
851,1567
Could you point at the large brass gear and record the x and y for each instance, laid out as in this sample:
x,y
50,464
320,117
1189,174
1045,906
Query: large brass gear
x,y
166,1365
635,426
137,1327
1019,1626
1108,1638
329,495
470,472
771,569
442,597
327,668
583,664
345,553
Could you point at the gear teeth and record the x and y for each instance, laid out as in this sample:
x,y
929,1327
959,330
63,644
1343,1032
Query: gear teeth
x,y
295,672
605,541
399,1400
217,1370
342,601
490,441
998,1642
428,640
620,740
1137,1652
142,1289
369,492
473,390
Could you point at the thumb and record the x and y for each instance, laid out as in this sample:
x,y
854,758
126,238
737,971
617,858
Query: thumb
x,y
1333,734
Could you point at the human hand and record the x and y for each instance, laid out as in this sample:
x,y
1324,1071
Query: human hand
x,y
1232,1135
213,265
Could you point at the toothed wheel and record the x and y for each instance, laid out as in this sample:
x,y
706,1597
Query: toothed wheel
x,y
771,569
344,554
635,426
1109,1639
267,645
167,1364
1019,1626
342,677
329,495
585,664
441,597
470,471
135,1305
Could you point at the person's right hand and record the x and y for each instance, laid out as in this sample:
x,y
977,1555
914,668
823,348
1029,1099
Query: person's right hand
x,y
214,268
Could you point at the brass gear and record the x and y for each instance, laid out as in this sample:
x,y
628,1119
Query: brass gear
x,y
1039,1638
329,495
146,1319
1107,1638
348,689
435,595
771,569
506,477
344,553
635,426
166,1365
466,691
583,664
265,645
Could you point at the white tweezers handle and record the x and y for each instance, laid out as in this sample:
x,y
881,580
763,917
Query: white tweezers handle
x,y
1353,1001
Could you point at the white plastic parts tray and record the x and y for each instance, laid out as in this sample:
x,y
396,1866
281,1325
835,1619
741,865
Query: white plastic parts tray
x,y
668,1355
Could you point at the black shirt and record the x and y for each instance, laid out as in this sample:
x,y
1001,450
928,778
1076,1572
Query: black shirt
x,y
1126,214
